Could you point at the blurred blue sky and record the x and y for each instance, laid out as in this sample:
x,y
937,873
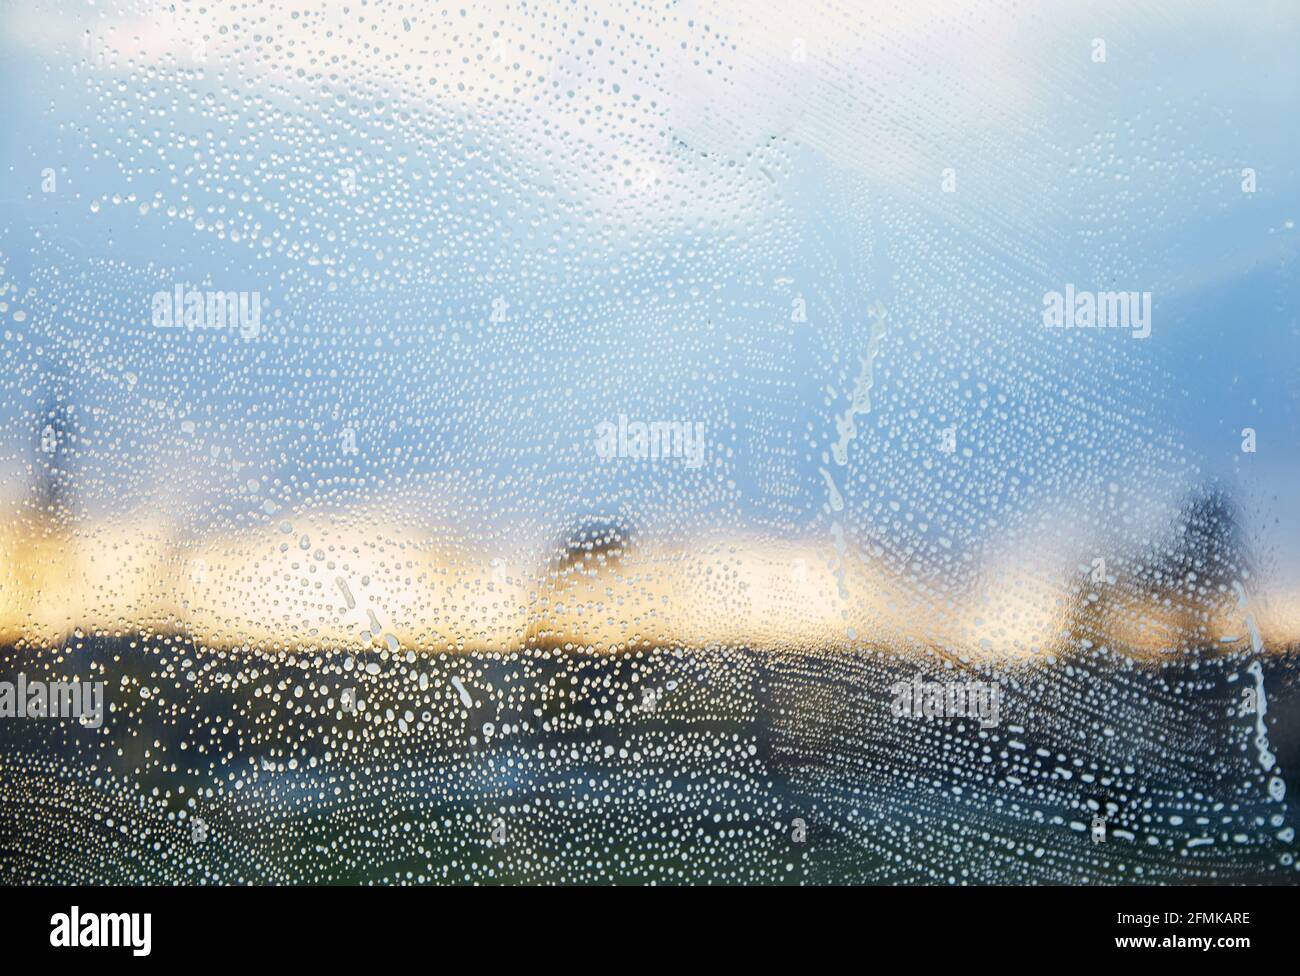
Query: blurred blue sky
x,y
649,244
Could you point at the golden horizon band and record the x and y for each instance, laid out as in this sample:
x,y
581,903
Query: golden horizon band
x,y
360,580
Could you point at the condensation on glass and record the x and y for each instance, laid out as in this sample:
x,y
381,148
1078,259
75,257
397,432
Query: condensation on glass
x,y
618,442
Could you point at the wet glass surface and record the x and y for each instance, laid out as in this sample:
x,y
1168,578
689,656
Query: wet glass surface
x,y
714,443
